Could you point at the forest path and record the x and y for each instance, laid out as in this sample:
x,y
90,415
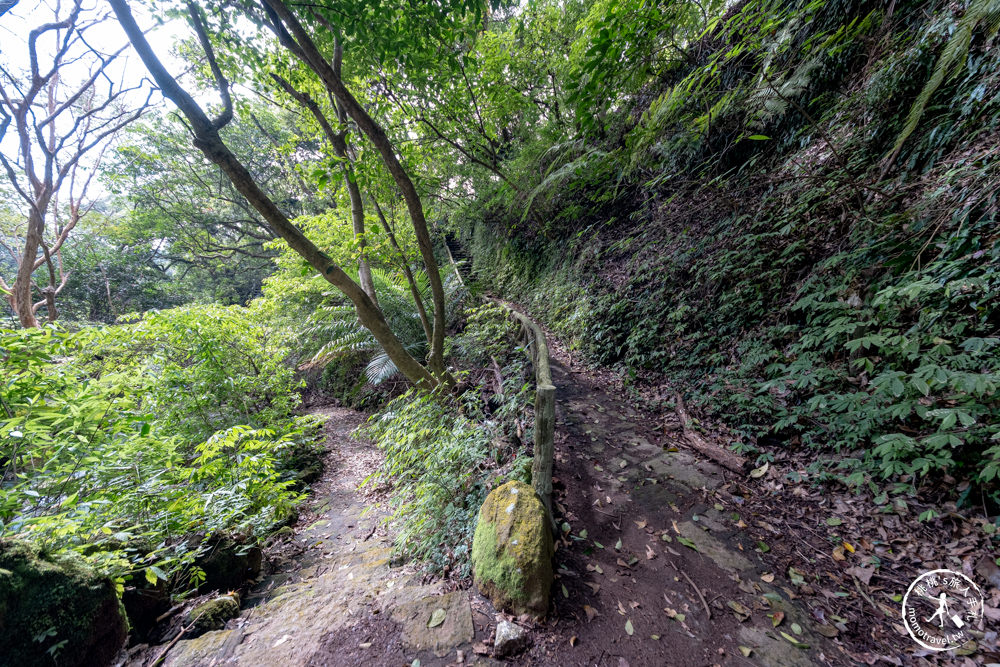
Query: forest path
x,y
334,597
654,539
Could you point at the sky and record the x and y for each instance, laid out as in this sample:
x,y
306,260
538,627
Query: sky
x,y
106,37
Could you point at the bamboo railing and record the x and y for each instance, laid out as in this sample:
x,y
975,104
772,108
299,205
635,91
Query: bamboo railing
x,y
533,339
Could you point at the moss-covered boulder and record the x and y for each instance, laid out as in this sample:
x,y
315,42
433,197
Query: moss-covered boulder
x,y
512,550
55,610
213,614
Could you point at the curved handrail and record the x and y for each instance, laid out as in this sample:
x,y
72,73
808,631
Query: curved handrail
x,y
545,405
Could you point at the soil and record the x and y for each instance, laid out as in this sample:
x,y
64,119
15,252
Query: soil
x,y
630,497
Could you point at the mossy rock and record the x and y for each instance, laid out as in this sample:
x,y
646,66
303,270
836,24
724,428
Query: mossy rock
x,y
213,614
512,550
55,610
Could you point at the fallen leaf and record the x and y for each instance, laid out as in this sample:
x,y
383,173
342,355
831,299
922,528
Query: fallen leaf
x,y
828,631
763,547
618,544
776,618
796,628
564,591
583,534
838,554
745,651
622,563
767,578
795,642
590,612
655,638
437,618
796,577
572,640
598,544
594,587
674,524
281,641
849,547
650,554
641,524
621,608
688,543
862,574
742,613
834,521
634,605
480,649
629,629
757,473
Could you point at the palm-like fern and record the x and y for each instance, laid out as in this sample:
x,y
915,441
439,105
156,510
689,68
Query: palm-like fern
x,y
338,326
986,12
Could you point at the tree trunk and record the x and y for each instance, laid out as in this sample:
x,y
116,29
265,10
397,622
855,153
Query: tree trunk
x,y
405,264
309,53
20,298
208,141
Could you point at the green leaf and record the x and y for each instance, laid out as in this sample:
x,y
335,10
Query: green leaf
x,y
758,137
437,618
628,628
688,543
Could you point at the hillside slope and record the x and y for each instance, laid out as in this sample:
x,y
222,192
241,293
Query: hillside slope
x,y
797,228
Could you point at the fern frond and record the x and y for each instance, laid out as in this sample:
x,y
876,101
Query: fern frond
x,y
949,63
380,368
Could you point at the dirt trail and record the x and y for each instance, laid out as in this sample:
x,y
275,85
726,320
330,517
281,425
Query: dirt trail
x,y
335,598
654,540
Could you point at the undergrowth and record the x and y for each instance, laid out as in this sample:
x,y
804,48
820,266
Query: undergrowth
x,y
133,445
443,453
767,250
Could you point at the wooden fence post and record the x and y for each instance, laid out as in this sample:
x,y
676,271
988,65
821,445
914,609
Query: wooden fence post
x,y
541,464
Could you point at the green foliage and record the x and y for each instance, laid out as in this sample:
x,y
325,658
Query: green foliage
x,y
952,58
724,229
104,458
199,369
488,332
442,453
620,47
437,462
340,335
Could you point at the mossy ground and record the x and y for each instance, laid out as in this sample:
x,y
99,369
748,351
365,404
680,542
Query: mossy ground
x,y
56,610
